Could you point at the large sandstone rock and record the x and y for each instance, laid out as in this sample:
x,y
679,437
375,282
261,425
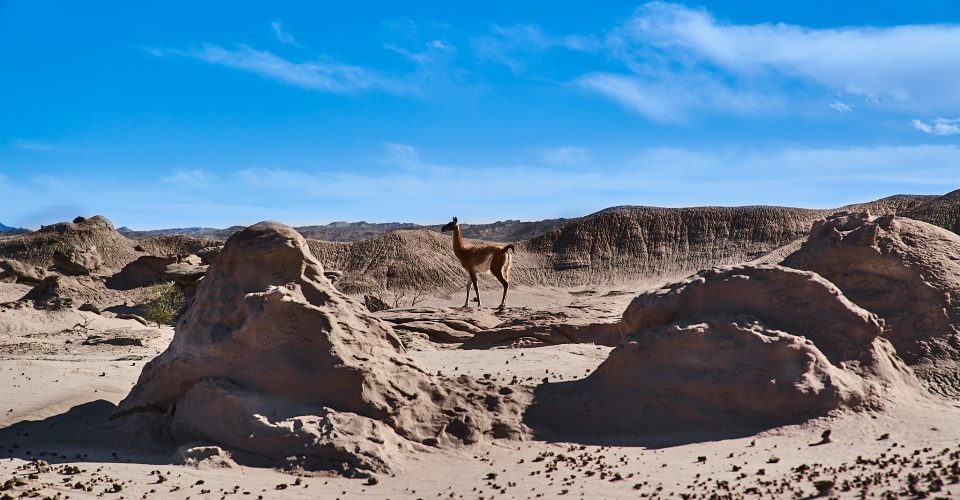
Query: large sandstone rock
x,y
272,360
18,272
802,303
184,270
145,271
65,292
77,261
184,273
905,271
208,255
53,293
730,350
488,327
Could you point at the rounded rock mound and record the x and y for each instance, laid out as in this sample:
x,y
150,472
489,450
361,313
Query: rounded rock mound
x,y
731,350
272,361
905,271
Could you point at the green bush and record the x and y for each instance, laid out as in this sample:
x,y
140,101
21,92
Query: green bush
x,y
164,303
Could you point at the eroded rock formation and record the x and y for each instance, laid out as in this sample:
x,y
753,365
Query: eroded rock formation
x,y
732,349
64,292
905,271
271,360
18,272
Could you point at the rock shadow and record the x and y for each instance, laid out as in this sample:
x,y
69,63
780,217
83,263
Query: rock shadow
x,y
81,434
571,412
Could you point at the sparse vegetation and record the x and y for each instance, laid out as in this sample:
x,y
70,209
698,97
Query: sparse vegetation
x,y
383,299
83,326
164,303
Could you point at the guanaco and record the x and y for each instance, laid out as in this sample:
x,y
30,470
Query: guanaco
x,y
481,259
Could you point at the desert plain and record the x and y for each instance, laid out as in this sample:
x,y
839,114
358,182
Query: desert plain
x,y
643,352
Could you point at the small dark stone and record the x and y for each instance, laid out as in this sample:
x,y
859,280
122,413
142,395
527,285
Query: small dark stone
x,y
90,308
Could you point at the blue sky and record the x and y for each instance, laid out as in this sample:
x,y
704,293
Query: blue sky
x,y
174,114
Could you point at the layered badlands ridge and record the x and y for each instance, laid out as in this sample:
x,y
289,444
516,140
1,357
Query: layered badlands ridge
x,y
616,245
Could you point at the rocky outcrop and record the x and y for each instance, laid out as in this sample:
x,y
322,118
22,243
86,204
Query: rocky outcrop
x,y
488,327
732,349
771,294
905,271
623,243
88,245
184,273
77,261
179,245
272,360
208,255
403,261
145,271
184,270
54,292
942,211
65,292
18,272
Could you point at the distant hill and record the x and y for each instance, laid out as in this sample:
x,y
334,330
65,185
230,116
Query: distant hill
x,y
611,246
94,233
196,232
7,230
502,231
943,211
614,245
622,244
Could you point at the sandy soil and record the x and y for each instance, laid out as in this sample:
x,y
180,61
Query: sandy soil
x,y
55,389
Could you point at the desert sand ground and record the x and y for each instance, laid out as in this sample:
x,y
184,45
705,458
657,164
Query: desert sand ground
x,y
55,387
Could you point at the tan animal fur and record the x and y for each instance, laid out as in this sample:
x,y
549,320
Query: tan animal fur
x,y
494,259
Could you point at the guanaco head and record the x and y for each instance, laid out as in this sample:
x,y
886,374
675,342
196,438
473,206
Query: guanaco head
x,y
450,225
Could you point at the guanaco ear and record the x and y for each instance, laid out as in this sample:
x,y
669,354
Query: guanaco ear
x,y
454,219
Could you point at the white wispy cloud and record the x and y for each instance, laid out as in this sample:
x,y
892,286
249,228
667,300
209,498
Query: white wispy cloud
x,y
282,35
429,45
424,54
513,46
440,45
402,155
191,179
32,145
313,75
840,107
674,98
565,155
901,67
938,126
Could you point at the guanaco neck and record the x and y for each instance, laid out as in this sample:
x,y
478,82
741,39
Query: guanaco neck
x,y
458,246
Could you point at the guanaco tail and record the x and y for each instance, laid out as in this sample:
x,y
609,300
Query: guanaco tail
x,y
493,259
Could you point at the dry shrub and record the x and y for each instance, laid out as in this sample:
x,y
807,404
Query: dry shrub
x,y
164,303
